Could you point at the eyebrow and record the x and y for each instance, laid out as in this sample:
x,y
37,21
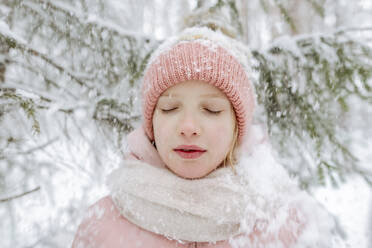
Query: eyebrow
x,y
215,95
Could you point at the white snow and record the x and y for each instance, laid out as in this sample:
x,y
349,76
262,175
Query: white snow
x,y
70,171
350,203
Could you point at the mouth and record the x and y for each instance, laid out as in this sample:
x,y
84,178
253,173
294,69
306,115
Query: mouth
x,y
189,152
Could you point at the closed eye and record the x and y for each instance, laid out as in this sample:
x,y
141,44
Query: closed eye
x,y
168,110
212,112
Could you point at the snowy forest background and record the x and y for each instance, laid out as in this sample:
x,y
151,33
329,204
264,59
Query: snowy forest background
x,y
69,78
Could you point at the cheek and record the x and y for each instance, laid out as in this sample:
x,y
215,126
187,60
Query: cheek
x,y
161,128
157,120
221,134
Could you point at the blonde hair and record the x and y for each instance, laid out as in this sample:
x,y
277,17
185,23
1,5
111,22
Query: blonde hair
x,y
231,159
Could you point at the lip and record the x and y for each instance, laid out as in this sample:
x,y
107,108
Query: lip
x,y
189,151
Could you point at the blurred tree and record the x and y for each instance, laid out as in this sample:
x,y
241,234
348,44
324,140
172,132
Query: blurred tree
x,y
67,69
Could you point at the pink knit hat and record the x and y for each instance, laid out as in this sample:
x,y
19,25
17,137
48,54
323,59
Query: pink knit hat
x,y
200,54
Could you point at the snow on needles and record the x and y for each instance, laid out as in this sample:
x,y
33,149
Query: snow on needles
x,y
274,197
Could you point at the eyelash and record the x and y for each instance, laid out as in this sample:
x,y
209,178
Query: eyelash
x,y
212,112
168,110
208,110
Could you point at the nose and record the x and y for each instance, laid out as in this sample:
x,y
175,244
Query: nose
x,y
189,126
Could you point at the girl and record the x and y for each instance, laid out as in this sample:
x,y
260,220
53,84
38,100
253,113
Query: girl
x,y
198,173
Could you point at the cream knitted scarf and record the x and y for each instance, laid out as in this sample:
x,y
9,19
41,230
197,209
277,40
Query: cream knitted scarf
x,y
208,209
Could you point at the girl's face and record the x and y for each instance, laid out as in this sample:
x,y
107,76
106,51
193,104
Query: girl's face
x,y
193,128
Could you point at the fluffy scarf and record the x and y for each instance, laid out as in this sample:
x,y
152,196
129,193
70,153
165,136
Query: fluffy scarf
x,y
217,207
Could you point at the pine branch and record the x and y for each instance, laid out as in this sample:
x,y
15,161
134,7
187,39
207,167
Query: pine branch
x,y
27,104
85,19
47,80
19,195
318,7
115,114
17,44
305,86
287,17
110,46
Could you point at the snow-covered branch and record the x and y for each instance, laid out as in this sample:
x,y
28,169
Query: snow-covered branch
x,y
22,46
19,195
305,86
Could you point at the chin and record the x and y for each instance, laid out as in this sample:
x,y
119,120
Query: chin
x,y
189,169
191,175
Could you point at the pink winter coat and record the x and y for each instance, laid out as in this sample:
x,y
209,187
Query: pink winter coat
x,y
105,227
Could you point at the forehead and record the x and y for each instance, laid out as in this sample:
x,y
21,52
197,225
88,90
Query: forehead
x,y
194,88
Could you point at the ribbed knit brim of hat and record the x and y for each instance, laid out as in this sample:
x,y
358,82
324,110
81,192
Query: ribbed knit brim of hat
x,y
199,57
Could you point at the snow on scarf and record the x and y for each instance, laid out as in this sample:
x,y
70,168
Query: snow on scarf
x,y
217,207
